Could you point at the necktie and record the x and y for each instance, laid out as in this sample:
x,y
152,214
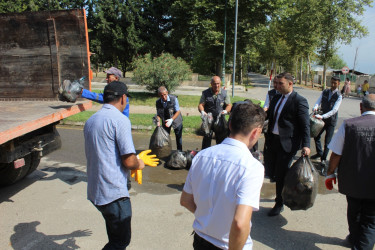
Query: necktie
x,y
277,110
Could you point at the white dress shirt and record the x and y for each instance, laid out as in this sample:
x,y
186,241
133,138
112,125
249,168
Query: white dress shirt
x,y
335,107
276,126
220,178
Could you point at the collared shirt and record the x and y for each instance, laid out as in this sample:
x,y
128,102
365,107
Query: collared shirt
x,y
176,105
226,100
335,107
337,142
107,137
220,178
276,126
267,101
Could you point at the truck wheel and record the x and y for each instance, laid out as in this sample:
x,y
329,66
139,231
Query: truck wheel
x,y
35,160
10,175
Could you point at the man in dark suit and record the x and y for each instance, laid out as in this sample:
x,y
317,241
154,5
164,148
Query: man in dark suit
x,y
288,131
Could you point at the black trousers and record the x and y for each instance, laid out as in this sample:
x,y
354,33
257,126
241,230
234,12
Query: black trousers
x,y
202,244
330,129
178,133
278,161
208,138
361,221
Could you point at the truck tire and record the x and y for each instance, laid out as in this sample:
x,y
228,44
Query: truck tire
x,y
10,175
35,160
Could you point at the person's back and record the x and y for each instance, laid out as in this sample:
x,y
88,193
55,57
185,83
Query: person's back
x,y
218,187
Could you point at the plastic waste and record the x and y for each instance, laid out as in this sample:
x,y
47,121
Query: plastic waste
x,y
69,91
300,185
160,143
181,160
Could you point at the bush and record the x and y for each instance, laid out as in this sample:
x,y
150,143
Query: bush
x,y
165,70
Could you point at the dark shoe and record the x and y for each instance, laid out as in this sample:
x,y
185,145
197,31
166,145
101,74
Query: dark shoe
x,y
348,242
272,179
276,210
315,156
323,163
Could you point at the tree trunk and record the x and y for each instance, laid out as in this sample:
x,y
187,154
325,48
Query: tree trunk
x,y
324,75
300,72
240,76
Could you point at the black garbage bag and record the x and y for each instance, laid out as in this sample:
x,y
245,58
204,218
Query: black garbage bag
x,y
69,91
160,143
207,121
220,125
181,160
316,125
300,185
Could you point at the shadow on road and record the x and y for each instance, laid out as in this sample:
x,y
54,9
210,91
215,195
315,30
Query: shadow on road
x,y
270,232
27,237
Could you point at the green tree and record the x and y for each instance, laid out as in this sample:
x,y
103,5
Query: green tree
x,y
339,24
165,70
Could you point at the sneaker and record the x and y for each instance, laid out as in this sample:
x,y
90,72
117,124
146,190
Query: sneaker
x,y
315,156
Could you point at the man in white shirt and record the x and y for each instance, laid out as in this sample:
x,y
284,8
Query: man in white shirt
x,y
223,186
329,102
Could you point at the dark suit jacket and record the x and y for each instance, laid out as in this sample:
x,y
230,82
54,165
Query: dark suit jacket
x,y
294,123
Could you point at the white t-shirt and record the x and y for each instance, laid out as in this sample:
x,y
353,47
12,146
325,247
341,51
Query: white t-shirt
x,y
220,178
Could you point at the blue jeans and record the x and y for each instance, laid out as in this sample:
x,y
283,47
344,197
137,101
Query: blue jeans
x,y
117,216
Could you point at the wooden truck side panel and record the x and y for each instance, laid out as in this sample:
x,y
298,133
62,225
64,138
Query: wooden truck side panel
x,y
39,50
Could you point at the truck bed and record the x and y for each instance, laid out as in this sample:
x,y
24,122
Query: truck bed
x,y
20,117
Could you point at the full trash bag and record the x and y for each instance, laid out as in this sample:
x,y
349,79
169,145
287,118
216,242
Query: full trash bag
x,y
160,143
316,125
220,125
207,121
181,160
300,185
69,91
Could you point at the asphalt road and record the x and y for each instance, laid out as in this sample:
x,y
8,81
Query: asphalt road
x,y
49,209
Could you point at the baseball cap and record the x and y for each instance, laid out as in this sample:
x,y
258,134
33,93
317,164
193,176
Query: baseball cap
x,y
116,88
114,71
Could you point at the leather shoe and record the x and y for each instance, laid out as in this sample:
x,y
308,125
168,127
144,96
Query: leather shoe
x,y
315,156
276,210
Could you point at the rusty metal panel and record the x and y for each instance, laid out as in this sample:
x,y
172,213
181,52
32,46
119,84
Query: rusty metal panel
x,y
39,50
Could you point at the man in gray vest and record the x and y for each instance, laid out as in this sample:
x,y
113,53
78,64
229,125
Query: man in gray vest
x,y
214,100
329,102
353,153
168,111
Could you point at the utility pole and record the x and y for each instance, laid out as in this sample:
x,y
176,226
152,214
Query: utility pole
x,y
225,39
235,47
355,62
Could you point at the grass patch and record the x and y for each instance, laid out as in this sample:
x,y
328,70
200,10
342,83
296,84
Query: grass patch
x,y
189,122
187,101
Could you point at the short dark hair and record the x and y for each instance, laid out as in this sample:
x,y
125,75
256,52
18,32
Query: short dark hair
x,y
335,78
245,117
287,76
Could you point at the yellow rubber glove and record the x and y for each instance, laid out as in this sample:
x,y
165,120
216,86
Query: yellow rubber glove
x,y
137,175
149,160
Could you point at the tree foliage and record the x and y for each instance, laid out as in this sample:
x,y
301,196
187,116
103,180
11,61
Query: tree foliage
x,y
165,70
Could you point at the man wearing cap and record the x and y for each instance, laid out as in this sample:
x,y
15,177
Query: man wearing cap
x,y
329,102
168,111
353,154
113,74
110,153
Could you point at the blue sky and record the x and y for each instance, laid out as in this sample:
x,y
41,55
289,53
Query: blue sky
x,y
366,46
